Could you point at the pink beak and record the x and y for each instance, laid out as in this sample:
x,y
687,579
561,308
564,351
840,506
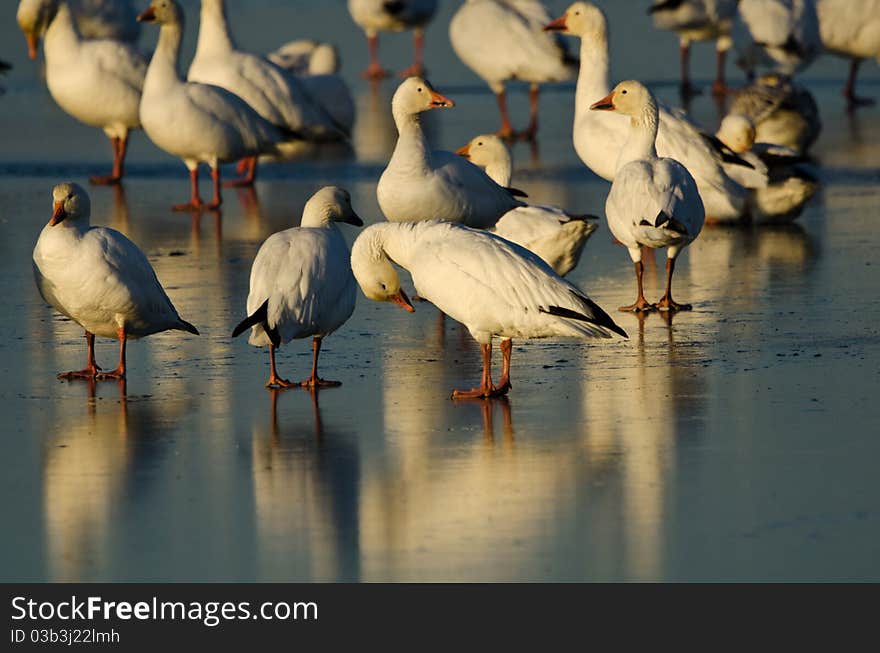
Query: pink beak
x,y
557,25
605,104
403,301
440,101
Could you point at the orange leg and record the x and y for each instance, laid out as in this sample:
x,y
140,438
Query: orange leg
x,y
247,165
119,372
217,200
719,88
314,381
119,147
417,68
506,130
91,371
532,130
276,381
504,382
374,70
486,389
687,89
666,302
641,304
195,202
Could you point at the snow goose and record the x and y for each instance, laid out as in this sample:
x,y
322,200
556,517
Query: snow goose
x,y
851,29
501,40
95,19
421,184
492,286
789,181
781,111
277,95
654,202
99,279
782,35
193,121
599,136
98,82
374,16
697,20
555,235
301,283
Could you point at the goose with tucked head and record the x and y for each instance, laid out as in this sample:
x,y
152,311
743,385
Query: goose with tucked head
x,y
99,279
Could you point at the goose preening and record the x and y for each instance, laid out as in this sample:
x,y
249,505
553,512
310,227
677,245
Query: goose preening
x,y
654,202
274,93
697,20
555,235
423,184
97,81
94,19
852,30
374,16
199,123
789,181
301,283
502,40
781,111
598,136
99,279
493,287
782,35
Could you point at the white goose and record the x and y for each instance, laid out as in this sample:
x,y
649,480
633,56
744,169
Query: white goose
x,y
95,19
98,82
852,30
423,184
196,122
782,35
653,202
555,235
698,20
277,95
99,279
492,286
599,136
301,283
374,16
504,39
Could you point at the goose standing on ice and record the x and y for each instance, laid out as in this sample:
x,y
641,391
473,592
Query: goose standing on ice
x,y
423,184
275,94
555,235
599,136
99,279
301,283
197,122
95,19
502,40
374,16
782,35
852,30
698,20
653,202
492,286
99,82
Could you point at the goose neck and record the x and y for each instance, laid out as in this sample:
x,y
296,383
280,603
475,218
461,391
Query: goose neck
x,y
642,136
163,65
412,146
62,36
213,29
592,82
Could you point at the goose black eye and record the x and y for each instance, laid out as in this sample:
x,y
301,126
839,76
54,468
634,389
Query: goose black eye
x,y
623,91
480,143
420,89
383,287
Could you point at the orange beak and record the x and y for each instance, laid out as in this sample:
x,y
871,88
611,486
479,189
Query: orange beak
x,y
58,214
402,300
440,101
148,16
557,25
464,151
33,42
605,104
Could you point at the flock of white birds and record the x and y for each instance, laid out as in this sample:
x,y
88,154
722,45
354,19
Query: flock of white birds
x,y
473,245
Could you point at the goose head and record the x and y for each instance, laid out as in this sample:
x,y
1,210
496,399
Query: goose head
x,y
485,150
631,98
581,19
324,60
416,95
374,273
737,132
70,204
33,17
330,204
162,12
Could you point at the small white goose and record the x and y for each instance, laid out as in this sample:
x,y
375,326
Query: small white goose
x,y
274,93
852,30
99,279
423,184
301,283
653,202
374,16
196,122
492,286
599,136
98,82
95,19
555,235
502,40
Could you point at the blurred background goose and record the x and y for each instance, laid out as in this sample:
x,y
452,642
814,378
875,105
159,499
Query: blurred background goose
x,y
374,16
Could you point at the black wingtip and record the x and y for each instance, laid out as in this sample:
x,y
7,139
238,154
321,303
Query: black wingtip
x,y
189,328
516,192
257,317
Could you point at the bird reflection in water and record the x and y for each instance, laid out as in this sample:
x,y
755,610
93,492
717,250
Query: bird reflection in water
x,y
487,413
